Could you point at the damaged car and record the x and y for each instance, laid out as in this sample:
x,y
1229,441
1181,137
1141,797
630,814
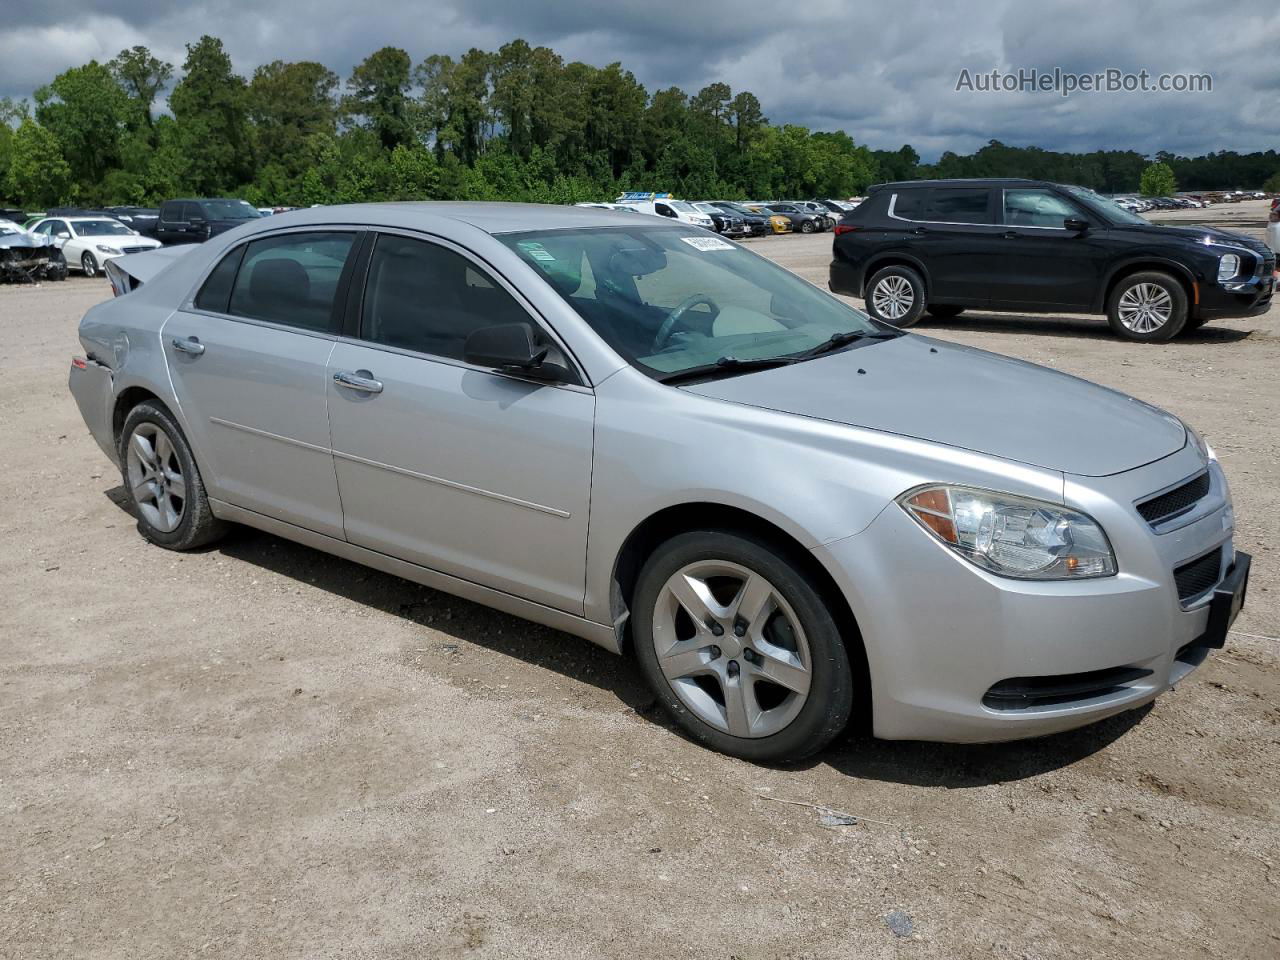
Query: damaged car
x,y
27,258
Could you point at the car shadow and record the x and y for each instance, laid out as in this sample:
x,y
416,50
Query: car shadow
x,y
1082,328
856,755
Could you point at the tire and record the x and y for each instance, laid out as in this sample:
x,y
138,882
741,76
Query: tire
x,y
806,226
88,264
187,521
1147,307
799,636
1194,323
944,311
900,293
58,268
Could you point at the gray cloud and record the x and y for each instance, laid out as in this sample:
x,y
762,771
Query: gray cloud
x,y
883,71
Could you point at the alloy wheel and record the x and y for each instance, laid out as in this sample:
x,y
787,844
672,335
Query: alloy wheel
x,y
893,297
89,265
156,482
731,648
1145,307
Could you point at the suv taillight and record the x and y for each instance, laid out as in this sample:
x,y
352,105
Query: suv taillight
x,y
845,228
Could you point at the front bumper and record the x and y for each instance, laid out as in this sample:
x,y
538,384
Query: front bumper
x,y
941,635
1248,298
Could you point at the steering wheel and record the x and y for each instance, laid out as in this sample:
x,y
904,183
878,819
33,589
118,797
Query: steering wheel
x,y
675,316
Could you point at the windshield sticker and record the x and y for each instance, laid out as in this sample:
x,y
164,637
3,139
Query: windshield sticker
x,y
535,250
707,243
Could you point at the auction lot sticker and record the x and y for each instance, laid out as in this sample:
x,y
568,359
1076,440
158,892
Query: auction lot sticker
x,y
707,243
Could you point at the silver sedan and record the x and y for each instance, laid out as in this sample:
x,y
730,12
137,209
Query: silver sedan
x,y
651,437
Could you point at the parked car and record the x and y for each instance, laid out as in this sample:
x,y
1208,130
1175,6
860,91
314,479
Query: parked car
x,y
1035,246
1273,226
195,221
28,258
813,206
89,242
806,221
835,208
142,219
663,205
722,470
726,222
759,223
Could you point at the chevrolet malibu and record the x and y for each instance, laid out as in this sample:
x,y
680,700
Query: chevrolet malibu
x,y
651,437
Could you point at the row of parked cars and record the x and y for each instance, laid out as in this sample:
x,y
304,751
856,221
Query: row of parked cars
x,y
738,218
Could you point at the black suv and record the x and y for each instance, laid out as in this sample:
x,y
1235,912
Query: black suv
x,y
1029,245
194,221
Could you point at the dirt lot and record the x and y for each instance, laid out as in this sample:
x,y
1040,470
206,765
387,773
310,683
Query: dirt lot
x,y
260,751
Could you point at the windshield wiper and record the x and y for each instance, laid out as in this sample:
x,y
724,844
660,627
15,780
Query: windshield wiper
x,y
838,340
725,366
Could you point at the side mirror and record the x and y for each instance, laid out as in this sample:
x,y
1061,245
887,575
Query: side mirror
x,y
510,346
1075,224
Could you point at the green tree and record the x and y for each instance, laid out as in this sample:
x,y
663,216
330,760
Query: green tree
x,y
87,111
142,76
211,107
1272,183
38,176
289,103
379,96
1158,181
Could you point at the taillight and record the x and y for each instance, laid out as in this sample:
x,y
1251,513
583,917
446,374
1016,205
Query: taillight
x,y
79,363
845,228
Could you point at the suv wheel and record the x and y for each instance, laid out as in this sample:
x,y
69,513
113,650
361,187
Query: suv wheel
x,y
944,311
88,264
895,295
163,481
1149,307
739,647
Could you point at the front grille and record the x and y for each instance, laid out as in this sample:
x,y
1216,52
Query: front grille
x,y
134,249
1196,576
1178,500
1019,693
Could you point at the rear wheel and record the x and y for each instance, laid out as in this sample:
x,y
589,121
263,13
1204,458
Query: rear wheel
x,y
163,481
895,296
944,311
739,647
88,264
1149,307
806,226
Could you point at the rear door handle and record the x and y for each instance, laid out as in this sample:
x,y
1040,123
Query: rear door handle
x,y
1011,235
919,230
190,345
361,380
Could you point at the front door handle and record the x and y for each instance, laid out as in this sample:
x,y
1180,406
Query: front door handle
x,y
919,230
361,380
190,345
1011,235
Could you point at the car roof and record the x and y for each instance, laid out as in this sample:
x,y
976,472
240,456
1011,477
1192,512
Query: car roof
x,y
492,218
962,182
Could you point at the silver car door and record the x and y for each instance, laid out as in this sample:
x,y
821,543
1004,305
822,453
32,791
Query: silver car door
x,y
247,358
472,473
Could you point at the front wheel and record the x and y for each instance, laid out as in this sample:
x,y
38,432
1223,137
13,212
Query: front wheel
x,y
895,296
89,265
944,311
1149,307
739,647
806,226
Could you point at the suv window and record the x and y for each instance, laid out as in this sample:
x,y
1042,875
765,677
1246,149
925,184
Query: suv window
x,y
291,279
909,204
959,205
171,210
1037,208
424,297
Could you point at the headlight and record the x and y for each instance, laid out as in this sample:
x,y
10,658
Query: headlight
x,y
104,248
1012,536
1206,451
1228,266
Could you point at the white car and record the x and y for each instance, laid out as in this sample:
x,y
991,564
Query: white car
x,y
89,242
661,205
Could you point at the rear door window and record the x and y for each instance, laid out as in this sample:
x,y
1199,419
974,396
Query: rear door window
x,y
1037,208
959,205
291,279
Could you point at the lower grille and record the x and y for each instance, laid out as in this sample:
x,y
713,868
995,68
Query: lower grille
x,y
1019,693
134,249
1178,500
1196,576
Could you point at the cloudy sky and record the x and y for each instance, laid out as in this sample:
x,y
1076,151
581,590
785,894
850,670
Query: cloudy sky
x,y
886,72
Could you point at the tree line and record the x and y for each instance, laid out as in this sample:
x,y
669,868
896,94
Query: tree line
x,y
520,123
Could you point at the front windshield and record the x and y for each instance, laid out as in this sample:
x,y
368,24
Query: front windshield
x,y
1109,208
99,228
669,300
229,210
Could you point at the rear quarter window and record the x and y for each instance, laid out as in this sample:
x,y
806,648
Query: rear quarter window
x,y
910,204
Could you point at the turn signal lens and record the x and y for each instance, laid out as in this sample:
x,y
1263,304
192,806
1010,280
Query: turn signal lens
x,y
1012,536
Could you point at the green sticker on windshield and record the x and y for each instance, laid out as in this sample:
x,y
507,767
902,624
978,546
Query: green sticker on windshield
x,y
535,250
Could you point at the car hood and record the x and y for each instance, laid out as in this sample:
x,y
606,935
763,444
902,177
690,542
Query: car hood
x,y
963,397
23,239
1197,234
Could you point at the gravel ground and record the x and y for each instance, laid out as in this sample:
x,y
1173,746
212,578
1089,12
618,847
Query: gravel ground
x,y
260,751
